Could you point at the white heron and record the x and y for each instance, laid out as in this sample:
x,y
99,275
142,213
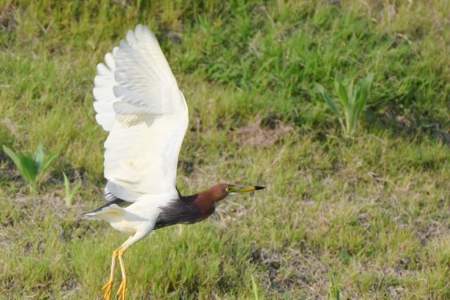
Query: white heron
x,y
138,102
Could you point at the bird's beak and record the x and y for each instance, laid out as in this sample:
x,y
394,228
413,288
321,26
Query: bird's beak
x,y
244,189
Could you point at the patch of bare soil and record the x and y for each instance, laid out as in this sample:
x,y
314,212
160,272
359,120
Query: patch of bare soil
x,y
7,19
35,209
293,269
263,132
412,125
430,231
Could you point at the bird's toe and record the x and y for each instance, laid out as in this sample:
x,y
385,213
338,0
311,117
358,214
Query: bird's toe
x,y
107,288
122,289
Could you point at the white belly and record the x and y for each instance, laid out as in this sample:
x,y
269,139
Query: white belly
x,y
124,226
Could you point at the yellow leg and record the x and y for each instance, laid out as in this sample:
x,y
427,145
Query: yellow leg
x,y
107,288
123,285
119,253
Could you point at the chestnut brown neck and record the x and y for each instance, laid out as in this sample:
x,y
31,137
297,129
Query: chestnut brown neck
x,y
206,200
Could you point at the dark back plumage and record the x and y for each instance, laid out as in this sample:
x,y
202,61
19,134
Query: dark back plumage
x,y
180,211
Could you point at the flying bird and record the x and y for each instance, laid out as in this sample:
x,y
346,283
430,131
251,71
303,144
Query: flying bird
x,y
139,104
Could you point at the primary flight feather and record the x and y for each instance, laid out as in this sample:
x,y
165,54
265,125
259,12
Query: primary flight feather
x,y
138,102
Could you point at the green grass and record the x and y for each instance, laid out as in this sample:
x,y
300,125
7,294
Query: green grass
x,y
32,168
362,218
350,103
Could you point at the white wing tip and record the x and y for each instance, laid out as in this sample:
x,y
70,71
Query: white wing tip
x,y
142,31
141,28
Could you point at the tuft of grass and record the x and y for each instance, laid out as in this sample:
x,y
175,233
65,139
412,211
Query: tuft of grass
x,y
255,289
334,292
32,168
70,192
350,102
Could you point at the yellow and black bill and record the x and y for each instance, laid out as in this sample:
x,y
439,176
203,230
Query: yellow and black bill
x,y
235,188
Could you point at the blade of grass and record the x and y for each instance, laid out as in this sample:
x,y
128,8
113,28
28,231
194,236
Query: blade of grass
x,y
255,289
69,192
39,156
328,100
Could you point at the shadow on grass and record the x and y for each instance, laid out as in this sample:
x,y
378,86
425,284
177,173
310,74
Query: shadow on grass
x,y
413,126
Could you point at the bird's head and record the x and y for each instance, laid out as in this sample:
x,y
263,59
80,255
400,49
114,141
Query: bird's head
x,y
222,190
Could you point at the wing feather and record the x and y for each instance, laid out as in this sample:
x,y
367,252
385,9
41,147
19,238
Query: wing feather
x,y
138,102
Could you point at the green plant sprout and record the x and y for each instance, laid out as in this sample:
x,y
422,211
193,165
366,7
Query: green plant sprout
x,y
351,102
69,192
32,168
255,289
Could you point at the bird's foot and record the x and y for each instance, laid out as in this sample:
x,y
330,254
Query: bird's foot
x,y
122,289
107,289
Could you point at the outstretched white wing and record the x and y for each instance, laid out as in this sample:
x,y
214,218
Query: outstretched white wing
x,y
138,101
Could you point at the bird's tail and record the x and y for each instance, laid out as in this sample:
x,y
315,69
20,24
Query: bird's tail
x,y
108,213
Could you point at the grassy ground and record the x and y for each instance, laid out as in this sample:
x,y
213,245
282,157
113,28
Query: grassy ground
x,y
366,217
